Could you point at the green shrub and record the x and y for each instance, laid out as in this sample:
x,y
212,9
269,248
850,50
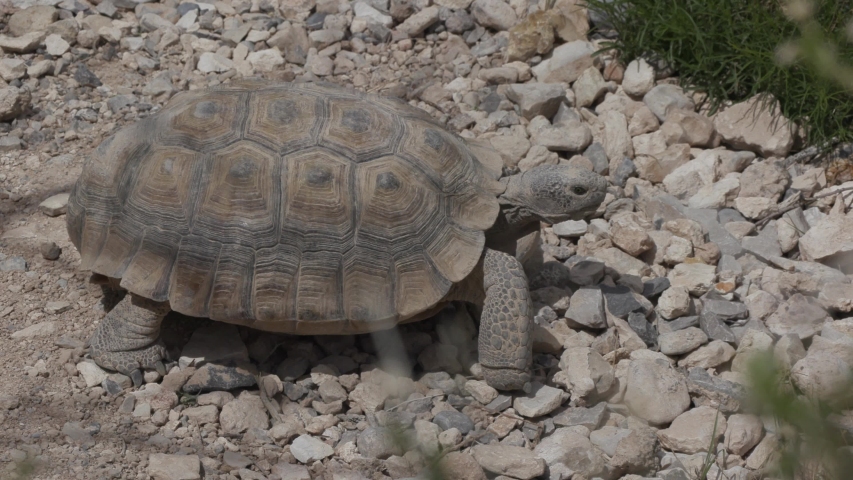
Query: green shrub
x,y
734,49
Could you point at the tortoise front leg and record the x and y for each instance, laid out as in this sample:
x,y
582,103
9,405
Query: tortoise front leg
x,y
128,338
506,325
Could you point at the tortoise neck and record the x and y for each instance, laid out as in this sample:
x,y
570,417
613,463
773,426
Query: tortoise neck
x,y
512,223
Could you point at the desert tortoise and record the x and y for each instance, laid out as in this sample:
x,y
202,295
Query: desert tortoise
x,y
309,209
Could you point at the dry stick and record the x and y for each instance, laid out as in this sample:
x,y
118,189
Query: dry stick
x,y
790,204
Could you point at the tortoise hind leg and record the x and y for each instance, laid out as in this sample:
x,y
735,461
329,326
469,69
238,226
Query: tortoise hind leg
x,y
506,328
128,338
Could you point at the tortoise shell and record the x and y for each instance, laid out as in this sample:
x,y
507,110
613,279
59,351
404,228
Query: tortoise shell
x,y
297,208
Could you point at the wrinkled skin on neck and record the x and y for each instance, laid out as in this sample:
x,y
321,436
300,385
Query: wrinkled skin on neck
x,y
548,193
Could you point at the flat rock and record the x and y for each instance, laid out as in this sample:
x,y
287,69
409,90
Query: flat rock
x,y
163,466
54,205
243,413
25,43
308,449
800,315
591,418
542,400
211,376
38,330
682,341
697,278
452,419
516,462
14,264
750,126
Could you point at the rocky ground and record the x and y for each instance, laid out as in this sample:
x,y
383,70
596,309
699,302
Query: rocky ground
x,y
714,243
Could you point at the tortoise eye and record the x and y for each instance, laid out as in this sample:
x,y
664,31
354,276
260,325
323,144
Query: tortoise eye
x,y
578,190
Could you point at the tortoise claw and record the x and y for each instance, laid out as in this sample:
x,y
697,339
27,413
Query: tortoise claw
x,y
136,376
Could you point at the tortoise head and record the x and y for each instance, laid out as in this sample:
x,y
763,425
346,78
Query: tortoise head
x,y
552,194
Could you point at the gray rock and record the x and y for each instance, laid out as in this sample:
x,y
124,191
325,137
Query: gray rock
x,y
765,245
375,442
451,419
499,404
608,438
534,99
643,328
728,244
585,271
542,400
308,449
714,391
596,154
681,323
714,327
292,368
621,301
662,98
724,309
591,418
654,287
37,330
235,459
10,143
13,264
85,77
625,168
441,381
683,341
586,308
